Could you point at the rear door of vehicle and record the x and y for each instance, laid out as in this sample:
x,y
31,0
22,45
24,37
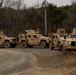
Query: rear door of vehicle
x,y
29,39
55,40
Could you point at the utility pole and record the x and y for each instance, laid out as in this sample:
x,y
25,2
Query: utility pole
x,y
45,15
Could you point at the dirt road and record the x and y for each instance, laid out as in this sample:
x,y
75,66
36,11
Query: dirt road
x,y
35,61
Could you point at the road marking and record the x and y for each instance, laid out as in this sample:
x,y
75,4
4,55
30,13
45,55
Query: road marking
x,y
22,71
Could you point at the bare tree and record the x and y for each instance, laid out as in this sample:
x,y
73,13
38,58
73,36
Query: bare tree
x,y
19,4
73,1
1,3
7,3
13,3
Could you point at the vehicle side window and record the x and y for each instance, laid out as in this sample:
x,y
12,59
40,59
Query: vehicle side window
x,y
29,36
34,36
73,36
53,37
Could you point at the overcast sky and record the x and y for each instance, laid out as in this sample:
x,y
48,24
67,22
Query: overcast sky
x,y
56,2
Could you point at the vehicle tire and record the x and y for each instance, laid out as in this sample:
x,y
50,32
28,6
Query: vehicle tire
x,y
24,44
51,46
43,44
47,45
64,50
60,47
13,45
7,44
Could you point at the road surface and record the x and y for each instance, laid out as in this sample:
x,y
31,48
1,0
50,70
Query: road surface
x,y
35,61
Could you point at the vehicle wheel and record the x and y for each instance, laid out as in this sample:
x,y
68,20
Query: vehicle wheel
x,y
7,44
64,50
60,47
51,46
13,45
43,44
47,45
24,44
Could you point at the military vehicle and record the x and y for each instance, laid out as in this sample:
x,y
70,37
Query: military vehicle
x,y
69,42
55,38
33,38
7,41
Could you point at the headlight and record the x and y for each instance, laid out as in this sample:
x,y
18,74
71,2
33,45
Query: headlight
x,y
69,42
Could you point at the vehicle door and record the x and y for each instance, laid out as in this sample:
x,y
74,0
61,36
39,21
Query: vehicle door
x,y
1,40
29,39
55,40
35,40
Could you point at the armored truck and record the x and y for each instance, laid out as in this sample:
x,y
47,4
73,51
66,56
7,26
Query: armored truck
x,y
55,38
6,41
69,42
33,38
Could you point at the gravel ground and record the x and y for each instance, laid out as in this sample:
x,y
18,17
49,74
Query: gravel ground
x,y
35,61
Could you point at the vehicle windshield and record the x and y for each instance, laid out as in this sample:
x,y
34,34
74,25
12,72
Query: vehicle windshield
x,y
62,35
72,36
40,35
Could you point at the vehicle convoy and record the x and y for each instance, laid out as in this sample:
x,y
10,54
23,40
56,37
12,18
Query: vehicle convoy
x,y
56,38
6,41
33,38
69,42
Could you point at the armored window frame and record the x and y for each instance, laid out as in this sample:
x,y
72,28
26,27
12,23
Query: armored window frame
x,y
29,36
34,36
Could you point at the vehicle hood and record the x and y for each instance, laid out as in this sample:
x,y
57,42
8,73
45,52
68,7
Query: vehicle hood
x,y
9,37
70,39
44,37
61,39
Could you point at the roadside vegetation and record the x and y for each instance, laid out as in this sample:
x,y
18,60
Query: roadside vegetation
x,y
15,17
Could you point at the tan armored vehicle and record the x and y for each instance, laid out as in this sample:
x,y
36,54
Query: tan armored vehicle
x,y
69,42
55,38
7,41
33,38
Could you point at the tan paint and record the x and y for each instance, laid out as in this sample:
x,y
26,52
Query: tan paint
x,y
3,38
67,43
33,37
56,37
